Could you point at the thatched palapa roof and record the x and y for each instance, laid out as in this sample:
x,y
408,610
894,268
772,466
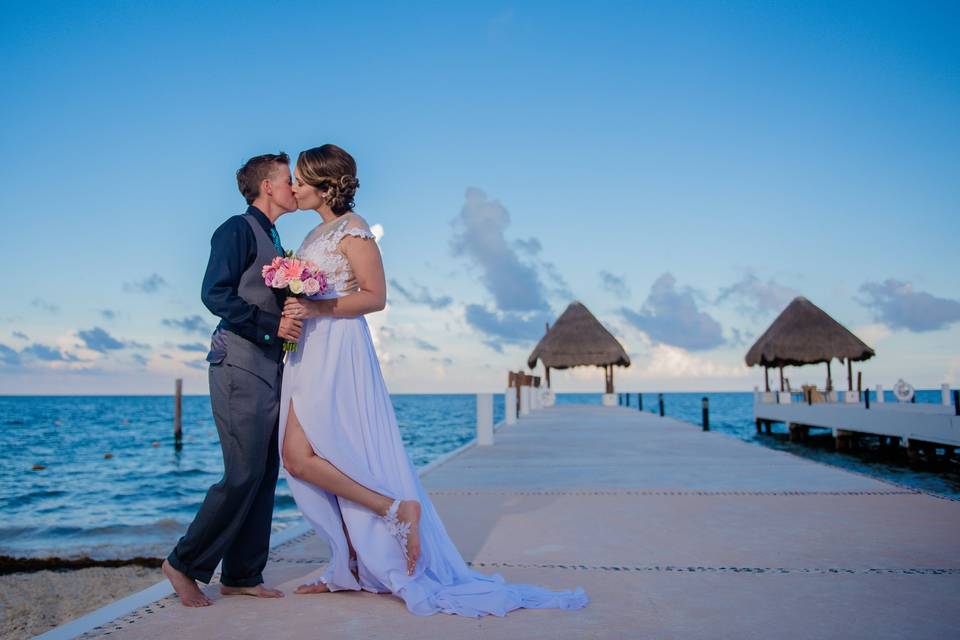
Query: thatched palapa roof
x,y
804,334
578,339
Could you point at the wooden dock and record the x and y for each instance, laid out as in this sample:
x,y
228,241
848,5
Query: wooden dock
x,y
674,533
912,426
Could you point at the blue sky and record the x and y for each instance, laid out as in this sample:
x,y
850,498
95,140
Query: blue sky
x,y
682,169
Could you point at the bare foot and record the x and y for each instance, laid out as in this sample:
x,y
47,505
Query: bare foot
x,y
409,511
319,587
258,591
186,587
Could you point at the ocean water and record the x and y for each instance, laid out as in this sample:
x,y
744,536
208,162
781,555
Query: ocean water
x,y
138,501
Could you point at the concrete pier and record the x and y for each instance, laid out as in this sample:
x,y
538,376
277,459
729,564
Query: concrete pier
x,y
673,532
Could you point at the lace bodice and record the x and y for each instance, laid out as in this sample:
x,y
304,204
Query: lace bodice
x,y
322,247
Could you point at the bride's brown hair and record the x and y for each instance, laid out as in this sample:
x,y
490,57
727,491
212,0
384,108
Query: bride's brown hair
x,y
332,169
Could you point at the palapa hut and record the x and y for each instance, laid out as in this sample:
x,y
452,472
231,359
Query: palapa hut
x,y
577,339
804,334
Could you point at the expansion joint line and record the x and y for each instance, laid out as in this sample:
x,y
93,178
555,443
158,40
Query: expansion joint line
x,y
655,492
909,571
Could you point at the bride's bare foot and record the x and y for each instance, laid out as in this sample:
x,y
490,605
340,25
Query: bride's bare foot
x,y
258,591
409,512
186,587
319,587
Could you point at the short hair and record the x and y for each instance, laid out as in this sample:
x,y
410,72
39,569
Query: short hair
x,y
256,170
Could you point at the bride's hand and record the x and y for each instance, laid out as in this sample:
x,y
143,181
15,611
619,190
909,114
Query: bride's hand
x,y
299,308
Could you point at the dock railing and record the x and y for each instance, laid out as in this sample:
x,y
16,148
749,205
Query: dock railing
x,y
849,413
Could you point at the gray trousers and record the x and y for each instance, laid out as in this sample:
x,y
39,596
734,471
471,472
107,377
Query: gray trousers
x,y
233,524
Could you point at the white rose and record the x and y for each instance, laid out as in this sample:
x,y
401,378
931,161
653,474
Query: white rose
x,y
296,286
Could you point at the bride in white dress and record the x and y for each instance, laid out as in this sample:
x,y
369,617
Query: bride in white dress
x,y
339,435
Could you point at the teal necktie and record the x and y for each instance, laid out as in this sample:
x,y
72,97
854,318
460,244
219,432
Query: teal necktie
x,y
276,240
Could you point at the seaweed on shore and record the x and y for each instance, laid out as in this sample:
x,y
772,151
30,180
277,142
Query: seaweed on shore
x,y
9,564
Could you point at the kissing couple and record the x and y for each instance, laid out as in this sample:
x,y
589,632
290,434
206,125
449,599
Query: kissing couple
x,y
325,414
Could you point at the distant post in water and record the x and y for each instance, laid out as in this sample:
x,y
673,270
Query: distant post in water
x,y
956,403
640,401
706,413
178,413
660,400
485,419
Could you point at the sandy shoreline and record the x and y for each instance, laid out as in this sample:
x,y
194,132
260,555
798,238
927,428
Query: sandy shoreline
x,y
32,603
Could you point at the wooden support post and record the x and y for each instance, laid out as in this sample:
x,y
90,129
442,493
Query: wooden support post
x,y
866,399
706,413
860,380
956,403
766,378
913,452
781,380
548,377
843,440
178,413
640,401
849,374
829,378
795,432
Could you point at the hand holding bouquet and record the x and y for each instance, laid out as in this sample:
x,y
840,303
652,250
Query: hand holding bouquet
x,y
299,277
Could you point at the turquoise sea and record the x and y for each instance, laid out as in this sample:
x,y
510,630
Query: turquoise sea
x,y
138,501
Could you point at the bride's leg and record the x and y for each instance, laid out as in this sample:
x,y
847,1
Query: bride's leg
x,y
302,462
320,586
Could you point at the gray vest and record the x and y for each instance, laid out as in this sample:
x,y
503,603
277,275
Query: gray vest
x,y
228,347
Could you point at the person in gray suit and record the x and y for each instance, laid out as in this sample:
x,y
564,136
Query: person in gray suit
x,y
233,523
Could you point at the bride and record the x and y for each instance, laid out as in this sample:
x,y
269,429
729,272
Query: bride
x,y
339,441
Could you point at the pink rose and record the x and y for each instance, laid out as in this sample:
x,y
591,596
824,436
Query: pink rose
x,y
311,287
280,279
268,275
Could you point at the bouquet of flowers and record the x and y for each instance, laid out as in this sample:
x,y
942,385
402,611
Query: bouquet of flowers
x,y
299,277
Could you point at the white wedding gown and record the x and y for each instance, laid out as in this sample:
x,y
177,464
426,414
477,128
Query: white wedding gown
x,y
339,395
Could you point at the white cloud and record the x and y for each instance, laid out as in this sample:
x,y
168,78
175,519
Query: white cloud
x,y
670,315
666,361
897,304
872,333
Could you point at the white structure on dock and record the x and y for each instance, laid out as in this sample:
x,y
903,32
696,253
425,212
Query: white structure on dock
x,y
937,424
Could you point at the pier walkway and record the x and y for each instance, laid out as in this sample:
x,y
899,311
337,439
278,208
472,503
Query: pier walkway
x,y
673,532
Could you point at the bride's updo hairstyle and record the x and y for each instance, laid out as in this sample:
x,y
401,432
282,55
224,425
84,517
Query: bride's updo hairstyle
x,y
334,172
